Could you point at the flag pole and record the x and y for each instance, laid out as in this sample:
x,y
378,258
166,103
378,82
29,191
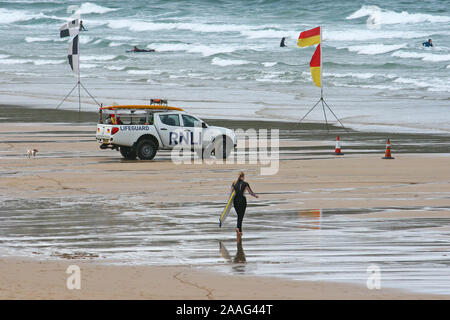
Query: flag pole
x,y
322,100
321,58
79,65
65,33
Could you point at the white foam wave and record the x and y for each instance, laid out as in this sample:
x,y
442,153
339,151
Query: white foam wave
x,y
12,16
228,62
44,62
269,64
98,58
363,76
37,39
116,44
134,25
270,33
417,83
85,39
142,72
364,35
87,65
15,61
3,56
119,38
114,68
378,16
204,50
372,49
424,56
88,8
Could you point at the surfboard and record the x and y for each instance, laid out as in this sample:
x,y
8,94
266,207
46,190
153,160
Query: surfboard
x,y
135,107
227,209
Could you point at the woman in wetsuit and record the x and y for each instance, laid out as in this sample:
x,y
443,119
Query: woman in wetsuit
x,y
240,202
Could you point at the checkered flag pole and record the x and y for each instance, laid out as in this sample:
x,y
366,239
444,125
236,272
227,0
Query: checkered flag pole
x,y
72,29
74,55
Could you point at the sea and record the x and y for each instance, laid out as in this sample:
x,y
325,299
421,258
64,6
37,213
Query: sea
x,y
222,59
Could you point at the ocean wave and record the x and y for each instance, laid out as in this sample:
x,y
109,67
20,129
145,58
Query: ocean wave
x,y
372,49
204,50
115,68
269,33
11,16
362,76
116,44
37,39
434,85
364,35
44,62
15,61
143,72
88,8
134,25
88,65
269,64
424,56
378,16
98,58
229,62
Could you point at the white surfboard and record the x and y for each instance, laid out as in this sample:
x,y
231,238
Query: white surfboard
x,y
227,209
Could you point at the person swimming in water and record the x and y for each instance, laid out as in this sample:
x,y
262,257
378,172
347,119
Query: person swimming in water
x,y
82,28
136,49
428,43
240,186
282,44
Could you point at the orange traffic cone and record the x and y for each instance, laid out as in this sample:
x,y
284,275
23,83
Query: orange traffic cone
x,y
387,155
337,150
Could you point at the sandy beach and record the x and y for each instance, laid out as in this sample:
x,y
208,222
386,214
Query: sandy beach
x,y
70,164
47,280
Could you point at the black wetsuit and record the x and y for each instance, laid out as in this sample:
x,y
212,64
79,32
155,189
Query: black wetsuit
x,y
240,202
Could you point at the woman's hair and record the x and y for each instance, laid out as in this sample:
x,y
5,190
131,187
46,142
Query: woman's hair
x,y
240,176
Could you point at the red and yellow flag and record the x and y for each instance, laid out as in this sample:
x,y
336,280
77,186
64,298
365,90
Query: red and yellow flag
x,y
309,37
315,67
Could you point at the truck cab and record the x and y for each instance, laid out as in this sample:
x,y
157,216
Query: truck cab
x,y
139,131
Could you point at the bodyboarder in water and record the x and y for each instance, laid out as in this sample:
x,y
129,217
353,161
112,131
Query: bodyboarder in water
x,y
136,49
282,43
240,186
428,43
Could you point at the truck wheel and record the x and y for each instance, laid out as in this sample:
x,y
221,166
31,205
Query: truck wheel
x,y
146,149
128,153
222,147
204,153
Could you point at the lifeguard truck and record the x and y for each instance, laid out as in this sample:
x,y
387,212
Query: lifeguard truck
x,y
141,130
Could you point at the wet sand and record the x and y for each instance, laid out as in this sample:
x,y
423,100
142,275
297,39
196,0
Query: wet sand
x,y
70,164
28,279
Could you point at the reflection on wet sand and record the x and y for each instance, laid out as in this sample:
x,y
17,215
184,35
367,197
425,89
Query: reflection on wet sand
x,y
239,261
310,218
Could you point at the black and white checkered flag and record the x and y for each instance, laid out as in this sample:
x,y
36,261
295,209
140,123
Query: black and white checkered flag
x,y
70,29
74,58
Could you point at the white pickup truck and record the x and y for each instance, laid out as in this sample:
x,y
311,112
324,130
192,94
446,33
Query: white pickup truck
x,y
141,130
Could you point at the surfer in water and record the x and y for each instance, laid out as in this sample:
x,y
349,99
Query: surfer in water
x,y
428,43
282,44
240,202
136,49
82,28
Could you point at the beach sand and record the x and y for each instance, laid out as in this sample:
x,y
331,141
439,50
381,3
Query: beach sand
x,y
69,164
28,279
